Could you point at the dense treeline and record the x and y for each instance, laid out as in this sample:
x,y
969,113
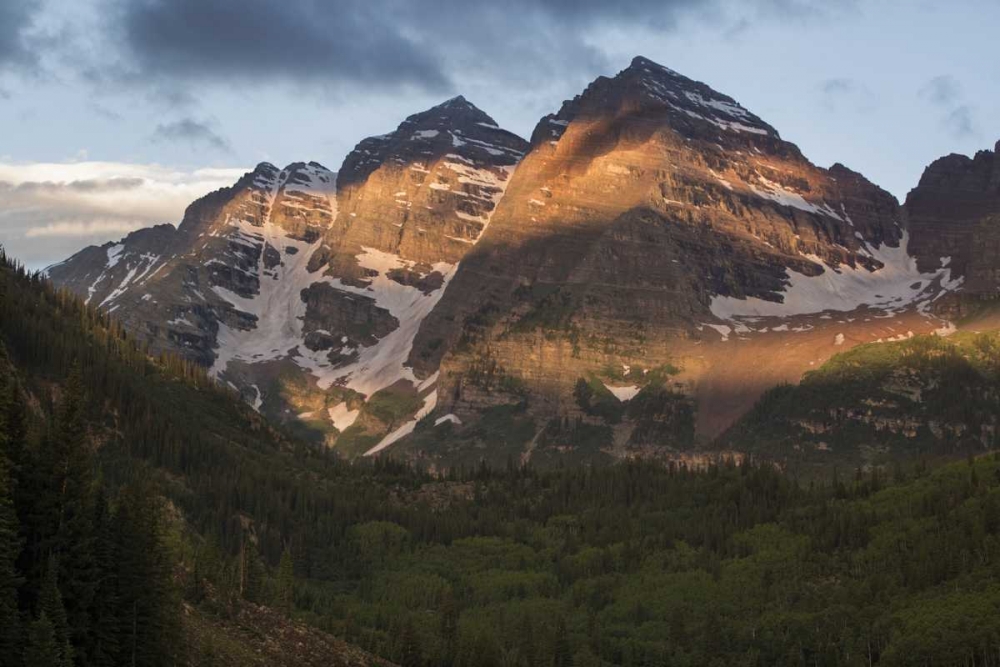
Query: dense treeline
x,y
633,564
84,574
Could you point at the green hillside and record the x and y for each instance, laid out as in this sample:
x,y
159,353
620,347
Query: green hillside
x,y
254,546
880,404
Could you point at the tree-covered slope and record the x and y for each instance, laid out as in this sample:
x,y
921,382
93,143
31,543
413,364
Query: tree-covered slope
x,y
630,564
882,403
118,473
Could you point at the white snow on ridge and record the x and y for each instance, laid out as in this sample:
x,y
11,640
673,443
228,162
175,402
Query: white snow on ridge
x,y
279,309
322,183
896,285
776,193
114,255
278,306
384,363
342,417
623,394
430,402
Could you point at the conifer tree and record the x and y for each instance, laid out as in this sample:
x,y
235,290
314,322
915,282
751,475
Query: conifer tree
x,y
10,546
41,648
562,654
75,538
103,646
410,655
286,583
148,612
50,605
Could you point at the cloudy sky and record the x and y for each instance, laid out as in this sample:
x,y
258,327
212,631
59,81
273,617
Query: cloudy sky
x,y
114,114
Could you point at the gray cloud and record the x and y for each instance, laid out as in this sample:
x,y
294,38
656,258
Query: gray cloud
x,y
15,21
49,211
261,40
942,90
839,86
193,132
390,44
842,91
945,92
90,185
961,122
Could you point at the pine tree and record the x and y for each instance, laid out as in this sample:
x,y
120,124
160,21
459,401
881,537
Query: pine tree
x,y
10,546
75,538
526,636
41,648
50,605
251,570
103,648
449,625
562,654
147,609
286,583
410,655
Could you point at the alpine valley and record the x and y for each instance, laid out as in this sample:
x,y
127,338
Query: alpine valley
x,y
647,389
657,273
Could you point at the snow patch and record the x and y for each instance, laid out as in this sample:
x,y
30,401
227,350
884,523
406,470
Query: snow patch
x,y
891,288
447,418
623,394
343,417
430,402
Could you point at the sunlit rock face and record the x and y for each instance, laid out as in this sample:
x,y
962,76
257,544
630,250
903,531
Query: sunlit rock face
x,y
626,284
303,290
657,222
955,212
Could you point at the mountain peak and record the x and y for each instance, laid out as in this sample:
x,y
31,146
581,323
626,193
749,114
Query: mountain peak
x,y
457,101
456,111
694,109
455,126
644,63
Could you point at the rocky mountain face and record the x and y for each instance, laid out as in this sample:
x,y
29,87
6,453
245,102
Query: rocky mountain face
x,y
955,212
658,260
661,240
302,290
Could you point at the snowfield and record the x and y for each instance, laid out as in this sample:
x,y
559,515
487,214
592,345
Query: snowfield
x,y
897,285
279,310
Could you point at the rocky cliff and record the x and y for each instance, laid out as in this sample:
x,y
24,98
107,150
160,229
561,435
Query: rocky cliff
x,y
657,224
301,289
628,283
954,216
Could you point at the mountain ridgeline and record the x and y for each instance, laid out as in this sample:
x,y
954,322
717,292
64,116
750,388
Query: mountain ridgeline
x,y
631,282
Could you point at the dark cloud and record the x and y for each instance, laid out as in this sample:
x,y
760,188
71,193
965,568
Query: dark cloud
x,y
193,132
389,44
300,40
83,186
15,21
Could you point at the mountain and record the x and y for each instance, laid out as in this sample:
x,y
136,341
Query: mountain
x,y
636,563
658,260
954,211
662,257
302,288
